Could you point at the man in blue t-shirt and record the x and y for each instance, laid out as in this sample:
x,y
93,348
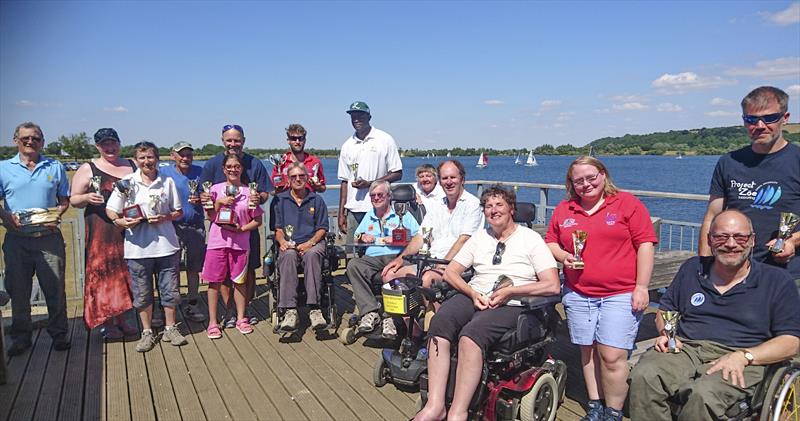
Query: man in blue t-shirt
x,y
190,227
737,315
762,179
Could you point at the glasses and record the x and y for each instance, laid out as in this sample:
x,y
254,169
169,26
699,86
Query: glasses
x,y
585,180
722,238
297,138
767,119
301,176
377,196
233,167
30,139
498,253
236,127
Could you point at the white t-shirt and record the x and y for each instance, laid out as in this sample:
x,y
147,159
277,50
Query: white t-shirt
x,y
149,240
526,254
436,195
466,218
376,156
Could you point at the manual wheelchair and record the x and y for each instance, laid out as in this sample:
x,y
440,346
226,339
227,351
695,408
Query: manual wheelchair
x,y
776,398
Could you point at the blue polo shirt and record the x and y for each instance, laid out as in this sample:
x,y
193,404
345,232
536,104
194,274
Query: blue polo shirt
x,y
254,171
764,305
192,213
22,189
310,216
371,224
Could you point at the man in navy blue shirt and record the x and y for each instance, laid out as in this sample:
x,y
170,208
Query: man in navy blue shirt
x,y
737,316
190,227
254,171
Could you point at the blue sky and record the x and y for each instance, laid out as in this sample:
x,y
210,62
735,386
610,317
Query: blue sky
x,y
436,74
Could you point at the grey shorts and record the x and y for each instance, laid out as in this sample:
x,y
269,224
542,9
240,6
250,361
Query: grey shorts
x,y
193,240
166,271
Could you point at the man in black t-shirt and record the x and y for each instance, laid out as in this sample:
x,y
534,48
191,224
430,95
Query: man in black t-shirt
x,y
761,180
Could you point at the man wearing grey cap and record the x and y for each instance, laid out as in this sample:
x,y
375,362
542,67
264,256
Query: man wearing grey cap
x,y
190,227
368,155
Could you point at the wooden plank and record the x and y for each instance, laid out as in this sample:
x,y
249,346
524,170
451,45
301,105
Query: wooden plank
x,y
47,407
17,369
94,386
28,393
74,377
184,388
138,383
117,402
164,400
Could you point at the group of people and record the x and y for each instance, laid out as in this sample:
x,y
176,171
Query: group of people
x,y
738,301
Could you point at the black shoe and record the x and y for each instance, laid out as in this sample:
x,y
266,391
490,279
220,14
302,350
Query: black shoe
x,y
61,344
18,347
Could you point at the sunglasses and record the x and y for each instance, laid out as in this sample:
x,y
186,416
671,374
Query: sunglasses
x,y
378,196
297,138
301,176
498,253
767,119
236,127
720,239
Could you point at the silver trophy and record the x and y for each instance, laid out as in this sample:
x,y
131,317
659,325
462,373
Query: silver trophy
x,y
786,226
315,173
671,327
153,204
231,190
277,161
128,192
94,183
354,169
253,191
208,204
400,234
192,184
427,238
288,232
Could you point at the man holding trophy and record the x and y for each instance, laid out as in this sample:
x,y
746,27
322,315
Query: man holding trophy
x,y
296,137
729,316
35,193
761,180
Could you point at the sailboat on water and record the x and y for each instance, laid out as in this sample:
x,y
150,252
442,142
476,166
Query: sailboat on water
x,y
483,161
448,154
517,161
531,161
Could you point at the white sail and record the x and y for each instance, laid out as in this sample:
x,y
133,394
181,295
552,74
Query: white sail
x,y
483,161
517,161
531,161
448,154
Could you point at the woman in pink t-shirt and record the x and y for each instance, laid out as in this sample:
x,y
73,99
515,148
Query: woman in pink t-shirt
x,y
229,244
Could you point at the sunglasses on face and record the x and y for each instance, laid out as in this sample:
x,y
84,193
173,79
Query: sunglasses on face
x,y
296,176
377,196
498,253
297,138
233,167
236,127
767,119
722,238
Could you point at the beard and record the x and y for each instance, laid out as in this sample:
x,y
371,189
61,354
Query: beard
x,y
730,260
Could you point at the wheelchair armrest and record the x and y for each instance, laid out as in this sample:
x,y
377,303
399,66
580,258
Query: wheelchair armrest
x,y
4,297
532,303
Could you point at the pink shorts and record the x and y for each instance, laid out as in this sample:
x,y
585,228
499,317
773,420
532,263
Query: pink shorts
x,y
222,263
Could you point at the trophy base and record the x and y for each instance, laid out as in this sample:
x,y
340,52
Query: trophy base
x,y
777,246
673,350
577,265
133,212
208,206
225,216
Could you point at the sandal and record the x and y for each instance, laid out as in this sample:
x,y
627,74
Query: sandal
x,y
243,325
213,332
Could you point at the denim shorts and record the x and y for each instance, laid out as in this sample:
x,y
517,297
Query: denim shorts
x,y
166,271
608,320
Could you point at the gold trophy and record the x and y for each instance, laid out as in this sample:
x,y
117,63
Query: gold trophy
x,y
427,237
354,169
208,204
253,191
193,184
787,225
95,182
288,232
578,243
671,327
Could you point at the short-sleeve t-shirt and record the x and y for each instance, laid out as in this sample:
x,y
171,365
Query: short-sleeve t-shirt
x,y
376,156
466,218
761,186
219,238
192,213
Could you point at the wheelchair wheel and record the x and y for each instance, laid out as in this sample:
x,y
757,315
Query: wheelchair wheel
x,y
348,336
782,401
379,372
541,402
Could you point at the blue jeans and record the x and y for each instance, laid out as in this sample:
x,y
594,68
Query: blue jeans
x,y
166,271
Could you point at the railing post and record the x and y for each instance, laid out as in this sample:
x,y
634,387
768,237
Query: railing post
x,y
479,190
541,208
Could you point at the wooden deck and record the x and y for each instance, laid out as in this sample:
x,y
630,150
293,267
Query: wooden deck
x,y
258,376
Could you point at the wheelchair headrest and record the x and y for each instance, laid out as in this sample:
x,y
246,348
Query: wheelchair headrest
x,y
403,193
525,213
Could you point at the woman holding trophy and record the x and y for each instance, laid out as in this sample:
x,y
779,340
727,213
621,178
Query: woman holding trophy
x,y
106,294
235,213
604,238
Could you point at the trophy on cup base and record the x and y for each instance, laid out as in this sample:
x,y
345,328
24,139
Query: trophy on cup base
x,y
288,232
253,192
225,216
94,183
192,184
427,237
400,234
153,205
579,243
354,169
671,327
208,204
315,174
786,226
38,216
277,161
127,189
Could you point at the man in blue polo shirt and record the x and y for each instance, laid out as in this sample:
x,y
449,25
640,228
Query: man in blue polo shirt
x,y
737,316
190,227
307,214
376,229
28,181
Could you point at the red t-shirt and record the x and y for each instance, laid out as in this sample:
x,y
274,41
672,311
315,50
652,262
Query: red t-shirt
x,y
280,178
615,232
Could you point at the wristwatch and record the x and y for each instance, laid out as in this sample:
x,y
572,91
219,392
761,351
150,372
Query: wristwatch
x,y
748,356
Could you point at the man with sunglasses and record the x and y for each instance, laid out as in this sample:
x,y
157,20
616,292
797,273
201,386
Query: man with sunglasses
x,y
296,137
254,171
762,179
29,181
738,315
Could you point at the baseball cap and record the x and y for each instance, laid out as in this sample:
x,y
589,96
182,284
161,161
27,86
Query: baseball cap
x,y
358,106
106,133
182,145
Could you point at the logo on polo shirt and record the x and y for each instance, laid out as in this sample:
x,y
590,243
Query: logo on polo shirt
x,y
698,299
611,218
767,195
311,210
569,222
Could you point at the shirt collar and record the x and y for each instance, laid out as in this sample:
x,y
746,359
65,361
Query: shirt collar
x,y
391,214
16,160
366,138
576,207
137,177
704,275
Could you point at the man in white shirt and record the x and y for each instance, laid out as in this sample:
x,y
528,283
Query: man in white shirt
x,y
427,188
367,156
453,220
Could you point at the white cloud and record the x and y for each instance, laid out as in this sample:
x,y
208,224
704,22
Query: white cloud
x,y
627,98
493,102
565,116
780,68
721,113
682,82
793,90
25,103
550,103
628,106
117,109
667,107
785,17
602,111
720,101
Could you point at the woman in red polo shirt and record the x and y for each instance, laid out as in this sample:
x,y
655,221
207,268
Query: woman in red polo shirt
x,y
606,291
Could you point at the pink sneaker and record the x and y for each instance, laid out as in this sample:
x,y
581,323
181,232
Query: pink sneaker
x,y
243,325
